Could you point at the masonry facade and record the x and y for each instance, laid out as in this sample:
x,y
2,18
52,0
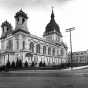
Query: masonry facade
x,y
78,58
19,43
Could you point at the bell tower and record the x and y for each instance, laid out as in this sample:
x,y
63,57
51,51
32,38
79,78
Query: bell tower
x,y
21,21
6,28
52,32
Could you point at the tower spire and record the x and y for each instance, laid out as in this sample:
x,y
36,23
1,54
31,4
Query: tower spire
x,y
52,27
52,14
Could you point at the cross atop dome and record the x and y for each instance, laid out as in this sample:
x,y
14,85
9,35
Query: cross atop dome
x,y
52,7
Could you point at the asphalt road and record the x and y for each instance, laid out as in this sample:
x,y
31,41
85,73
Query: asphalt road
x,y
45,79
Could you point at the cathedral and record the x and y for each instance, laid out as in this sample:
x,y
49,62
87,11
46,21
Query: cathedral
x,y
19,43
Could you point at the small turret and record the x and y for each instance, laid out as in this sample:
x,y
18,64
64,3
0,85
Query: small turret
x,y
21,21
6,28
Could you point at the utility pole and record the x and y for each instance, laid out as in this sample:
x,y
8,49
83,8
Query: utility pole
x,y
70,30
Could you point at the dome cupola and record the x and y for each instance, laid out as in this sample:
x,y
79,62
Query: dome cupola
x,y
21,21
6,23
21,14
6,28
52,26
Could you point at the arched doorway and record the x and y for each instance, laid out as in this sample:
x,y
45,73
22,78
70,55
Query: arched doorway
x,y
29,57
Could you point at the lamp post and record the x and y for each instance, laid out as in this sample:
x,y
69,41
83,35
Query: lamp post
x,y
70,30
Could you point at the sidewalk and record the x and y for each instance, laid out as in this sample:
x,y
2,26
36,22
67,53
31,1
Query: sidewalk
x,y
81,67
77,68
49,71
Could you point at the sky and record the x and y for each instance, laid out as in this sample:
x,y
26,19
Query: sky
x,y
68,14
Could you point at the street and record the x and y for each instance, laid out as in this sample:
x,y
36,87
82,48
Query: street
x,y
45,79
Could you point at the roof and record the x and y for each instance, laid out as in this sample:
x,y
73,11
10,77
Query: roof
x,y
21,13
13,32
20,30
6,23
79,53
52,26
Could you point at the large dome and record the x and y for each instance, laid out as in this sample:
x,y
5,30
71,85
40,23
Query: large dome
x,y
52,26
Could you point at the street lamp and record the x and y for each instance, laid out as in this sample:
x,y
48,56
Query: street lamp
x,y
70,30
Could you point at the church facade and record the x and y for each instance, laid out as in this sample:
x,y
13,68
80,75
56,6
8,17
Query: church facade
x,y
21,44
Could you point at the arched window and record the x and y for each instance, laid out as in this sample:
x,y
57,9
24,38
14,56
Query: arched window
x,y
62,51
38,48
7,29
49,51
23,20
3,30
17,44
58,52
17,20
32,47
23,44
9,45
53,52
44,49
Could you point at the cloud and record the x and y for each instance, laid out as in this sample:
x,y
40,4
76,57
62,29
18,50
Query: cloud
x,y
28,3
